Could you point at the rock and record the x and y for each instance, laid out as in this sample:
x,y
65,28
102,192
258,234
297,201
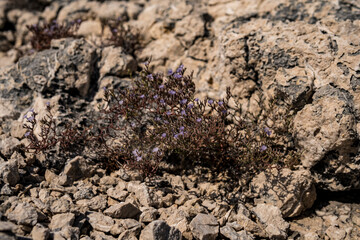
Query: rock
x,y
8,145
100,222
148,215
24,214
77,168
9,172
39,232
159,230
131,226
116,63
84,193
60,206
117,194
123,210
204,226
334,232
100,236
59,221
229,233
94,204
90,27
189,28
67,232
142,194
292,195
179,220
270,216
331,132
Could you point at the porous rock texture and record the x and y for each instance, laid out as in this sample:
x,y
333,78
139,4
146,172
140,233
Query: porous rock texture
x,y
307,52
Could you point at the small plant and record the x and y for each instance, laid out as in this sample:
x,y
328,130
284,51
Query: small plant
x,y
159,119
42,34
123,35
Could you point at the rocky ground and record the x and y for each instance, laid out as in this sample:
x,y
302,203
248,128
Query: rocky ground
x,y
307,51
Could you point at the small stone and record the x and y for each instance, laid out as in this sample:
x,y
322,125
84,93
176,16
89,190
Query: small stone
x,y
123,225
335,233
100,222
24,214
9,172
159,230
271,217
204,227
123,210
229,233
60,206
39,232
148,215
61,220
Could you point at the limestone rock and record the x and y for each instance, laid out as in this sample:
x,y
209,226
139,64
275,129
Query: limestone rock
x,y
270,216
123,210
39,232
9,172
293,194
59,221
159,230
204,226
100,222
24,214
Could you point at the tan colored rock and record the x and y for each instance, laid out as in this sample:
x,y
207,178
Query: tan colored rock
x,y
293,195
61,220
100,222
39,232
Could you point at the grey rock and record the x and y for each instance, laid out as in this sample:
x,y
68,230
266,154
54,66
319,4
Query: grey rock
x,y
275,226
67,232
100,222
77,168
159,230
142,193
7,236
40,232
6,190
204,227
123,210
229,233
117,194
100,236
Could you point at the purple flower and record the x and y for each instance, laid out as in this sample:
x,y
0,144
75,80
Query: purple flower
x,y
176,136
47,103
79,21
198,119
27,134
156,96
121,102
170,71
191,105
162,101
183,113
104,88
210,101
196,99
177,76
138,158
161,86
146,63
267,131
142,96
220,103
180,68
30,118
163,135
135,152
168,113
172,92
155,149
31,110
114,30
263,148
166,122
150,77
224,111
183,101
133,124
181,129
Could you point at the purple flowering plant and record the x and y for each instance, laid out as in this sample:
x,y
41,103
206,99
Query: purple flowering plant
x,y
159,119
43,33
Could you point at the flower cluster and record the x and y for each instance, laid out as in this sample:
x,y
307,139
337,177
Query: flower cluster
x,y
159,118
42,34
